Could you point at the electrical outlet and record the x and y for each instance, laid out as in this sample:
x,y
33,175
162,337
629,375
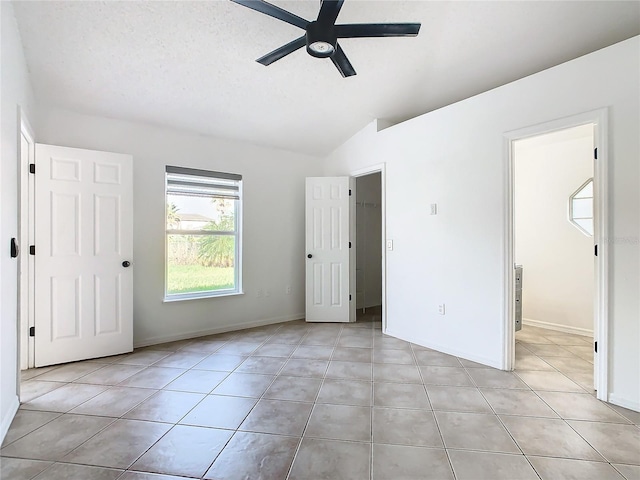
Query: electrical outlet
x,y
434,209
287,289
441,309
259,293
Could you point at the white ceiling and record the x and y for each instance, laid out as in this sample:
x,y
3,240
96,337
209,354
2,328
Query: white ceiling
x,y
190,65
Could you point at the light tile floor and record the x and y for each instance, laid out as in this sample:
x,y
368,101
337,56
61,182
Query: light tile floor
x,y
321,401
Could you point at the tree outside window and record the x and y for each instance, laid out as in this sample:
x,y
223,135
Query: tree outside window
x,y
203,234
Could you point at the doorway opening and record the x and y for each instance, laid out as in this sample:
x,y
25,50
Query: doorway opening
x,y
368,259
554,249
368,248
556,325
332,240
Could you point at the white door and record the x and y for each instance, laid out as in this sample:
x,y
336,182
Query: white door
x,y
83,250
327,249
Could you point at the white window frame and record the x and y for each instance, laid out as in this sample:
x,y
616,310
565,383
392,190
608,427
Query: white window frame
x,y
572,217
237,290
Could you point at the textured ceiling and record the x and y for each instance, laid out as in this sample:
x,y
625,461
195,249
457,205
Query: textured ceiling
x,y
190,65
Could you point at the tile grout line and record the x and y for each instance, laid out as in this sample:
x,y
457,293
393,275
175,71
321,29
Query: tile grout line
x,y
278,373
297,450
205,396
564,420
433,413
236,430
504,426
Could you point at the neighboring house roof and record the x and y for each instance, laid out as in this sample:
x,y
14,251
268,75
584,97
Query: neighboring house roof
x,y
193,217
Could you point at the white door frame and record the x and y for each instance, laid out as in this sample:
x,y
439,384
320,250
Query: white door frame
x,y
601,321
26,185
379,168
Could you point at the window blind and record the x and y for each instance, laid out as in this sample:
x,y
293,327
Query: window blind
x,y
191,181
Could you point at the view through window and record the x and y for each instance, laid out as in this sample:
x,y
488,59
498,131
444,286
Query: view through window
x,y
203,211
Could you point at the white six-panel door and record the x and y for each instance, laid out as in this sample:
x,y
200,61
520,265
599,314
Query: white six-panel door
x,y
327,249
83,239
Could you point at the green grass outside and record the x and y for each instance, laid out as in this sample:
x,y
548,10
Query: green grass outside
x,y
196,278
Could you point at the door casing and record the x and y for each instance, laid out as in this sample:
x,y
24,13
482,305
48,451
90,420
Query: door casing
x,y
601,225
26,358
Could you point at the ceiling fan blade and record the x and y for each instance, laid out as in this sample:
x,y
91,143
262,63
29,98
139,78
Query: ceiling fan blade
x,y
356,30
342,63
283,51
329,11
273,11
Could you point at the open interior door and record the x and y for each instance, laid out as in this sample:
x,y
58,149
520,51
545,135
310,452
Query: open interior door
x,y
327,249
83,252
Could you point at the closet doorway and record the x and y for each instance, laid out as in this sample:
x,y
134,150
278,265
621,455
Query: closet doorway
x,y
368,251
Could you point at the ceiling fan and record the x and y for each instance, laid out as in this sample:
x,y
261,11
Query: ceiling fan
x,y
321,35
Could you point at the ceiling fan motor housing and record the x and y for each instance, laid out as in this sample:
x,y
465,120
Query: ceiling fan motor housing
x,y
321,40
321,35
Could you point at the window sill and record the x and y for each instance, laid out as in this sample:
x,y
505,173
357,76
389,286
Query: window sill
x,y
195,296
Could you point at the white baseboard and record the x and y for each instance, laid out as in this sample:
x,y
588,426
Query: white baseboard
x,y
212,331
623,402
450,351
8,417
560,328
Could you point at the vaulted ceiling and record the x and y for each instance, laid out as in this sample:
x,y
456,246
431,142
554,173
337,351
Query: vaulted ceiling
x,y
191,65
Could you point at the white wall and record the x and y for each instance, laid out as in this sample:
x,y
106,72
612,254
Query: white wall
x,y
455,157
273,209
368,241
558,260
16,92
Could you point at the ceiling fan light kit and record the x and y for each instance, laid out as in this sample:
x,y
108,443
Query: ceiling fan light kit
x,y
321,40
321,36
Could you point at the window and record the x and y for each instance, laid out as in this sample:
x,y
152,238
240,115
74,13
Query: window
x,y
581,208
203,234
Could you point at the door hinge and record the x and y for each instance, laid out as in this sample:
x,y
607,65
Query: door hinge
x,y
14,249
595,250
32,168
349,192
596,346
349,244
32,331
349,297
32,249
595,153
